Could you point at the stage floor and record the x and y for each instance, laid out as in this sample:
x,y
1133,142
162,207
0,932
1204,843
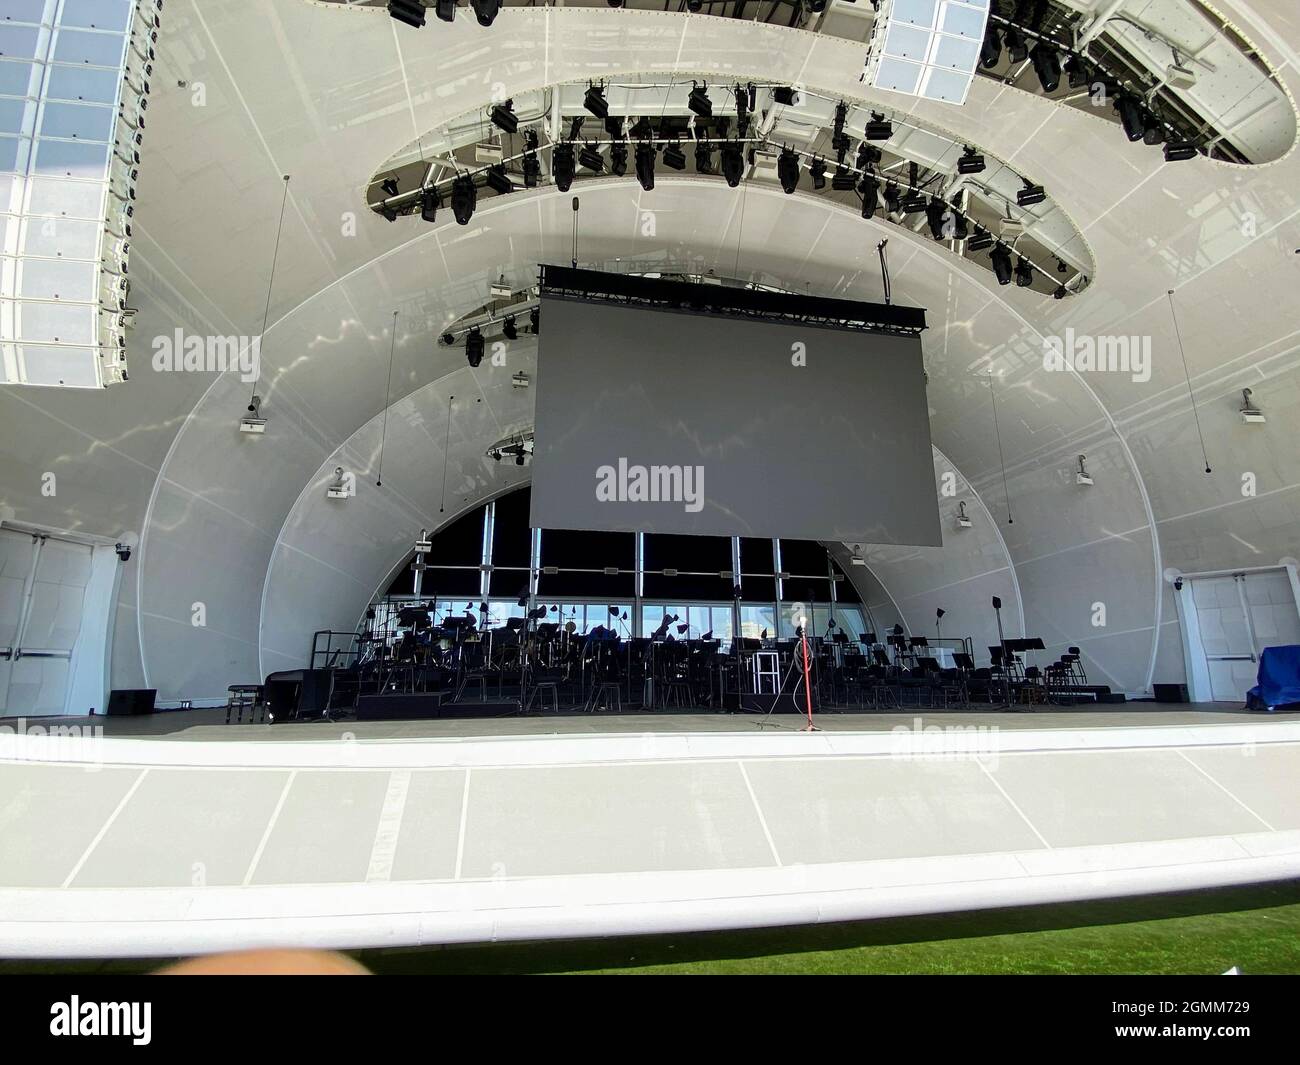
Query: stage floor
x,y
209,724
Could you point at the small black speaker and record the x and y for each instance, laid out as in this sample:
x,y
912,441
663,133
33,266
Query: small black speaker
x,y
126,702
1170,693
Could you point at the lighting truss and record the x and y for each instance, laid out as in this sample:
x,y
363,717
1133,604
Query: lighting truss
x,y
927,48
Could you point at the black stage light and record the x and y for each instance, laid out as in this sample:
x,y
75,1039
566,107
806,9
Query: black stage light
x,y
674,157
1017,49
464,197
699,101
787,170
408,11
818,173
870,189
981,240
445,10
595,101
971,162
389,185
614,3
694,6
1153,130
785,94
449,339
532,168
879,129
1047,65
703,157
936,212
1030,194
733,163
519,459
591,159
645,164
1060,293
1177,151
991,49
498,180
504,118
562,165
892,197
474,346
388,213
1061,268
485,11
744,95
1024,273
840,139
868,155
844,179
1076,71
960,228
815,6
535,320
1000,256
915,203
430,201
618,157
509,329
1132,115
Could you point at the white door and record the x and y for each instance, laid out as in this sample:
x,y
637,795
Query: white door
x,y
1238,616
42,598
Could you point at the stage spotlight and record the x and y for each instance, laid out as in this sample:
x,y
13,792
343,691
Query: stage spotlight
x,y
693,6
1047,65
703,157
485,11
645,165
410,12
991,49
674,157
1060,293
914,203
840,139
618,158
1132,116
699,101
787,170
1061,268
519,459
562,165
614,3
733,163
785,94
960,229
509,329
504,118
844,179
595,101
591,159
532,167
879,129
981,240
1076,71
1000,256
868,155
388,213
390,186
535,320
464,197
1177,151
1153,130
445,10
430,201
971,162
892,197
474,346
870,189
1030,195
936,212
498,180
449,339
1024,273
1017,49
818,173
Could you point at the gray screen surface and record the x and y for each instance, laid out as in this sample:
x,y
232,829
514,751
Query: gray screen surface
x,y
659,421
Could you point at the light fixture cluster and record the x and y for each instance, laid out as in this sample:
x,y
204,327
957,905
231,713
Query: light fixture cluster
x,y
412,12
517,448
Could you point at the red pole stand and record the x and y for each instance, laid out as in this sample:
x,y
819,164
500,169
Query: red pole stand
x,y
807,685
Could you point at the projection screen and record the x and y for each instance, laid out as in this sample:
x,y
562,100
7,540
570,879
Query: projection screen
x,y
664,421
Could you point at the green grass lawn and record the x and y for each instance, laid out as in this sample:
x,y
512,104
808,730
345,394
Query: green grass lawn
x,y
1256,928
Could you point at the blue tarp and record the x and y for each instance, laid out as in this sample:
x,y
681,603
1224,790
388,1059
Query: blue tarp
x,y
1279,679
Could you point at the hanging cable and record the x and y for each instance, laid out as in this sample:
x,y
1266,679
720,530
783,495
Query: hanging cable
x,y
446,444
388,390
266,314
1191,395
